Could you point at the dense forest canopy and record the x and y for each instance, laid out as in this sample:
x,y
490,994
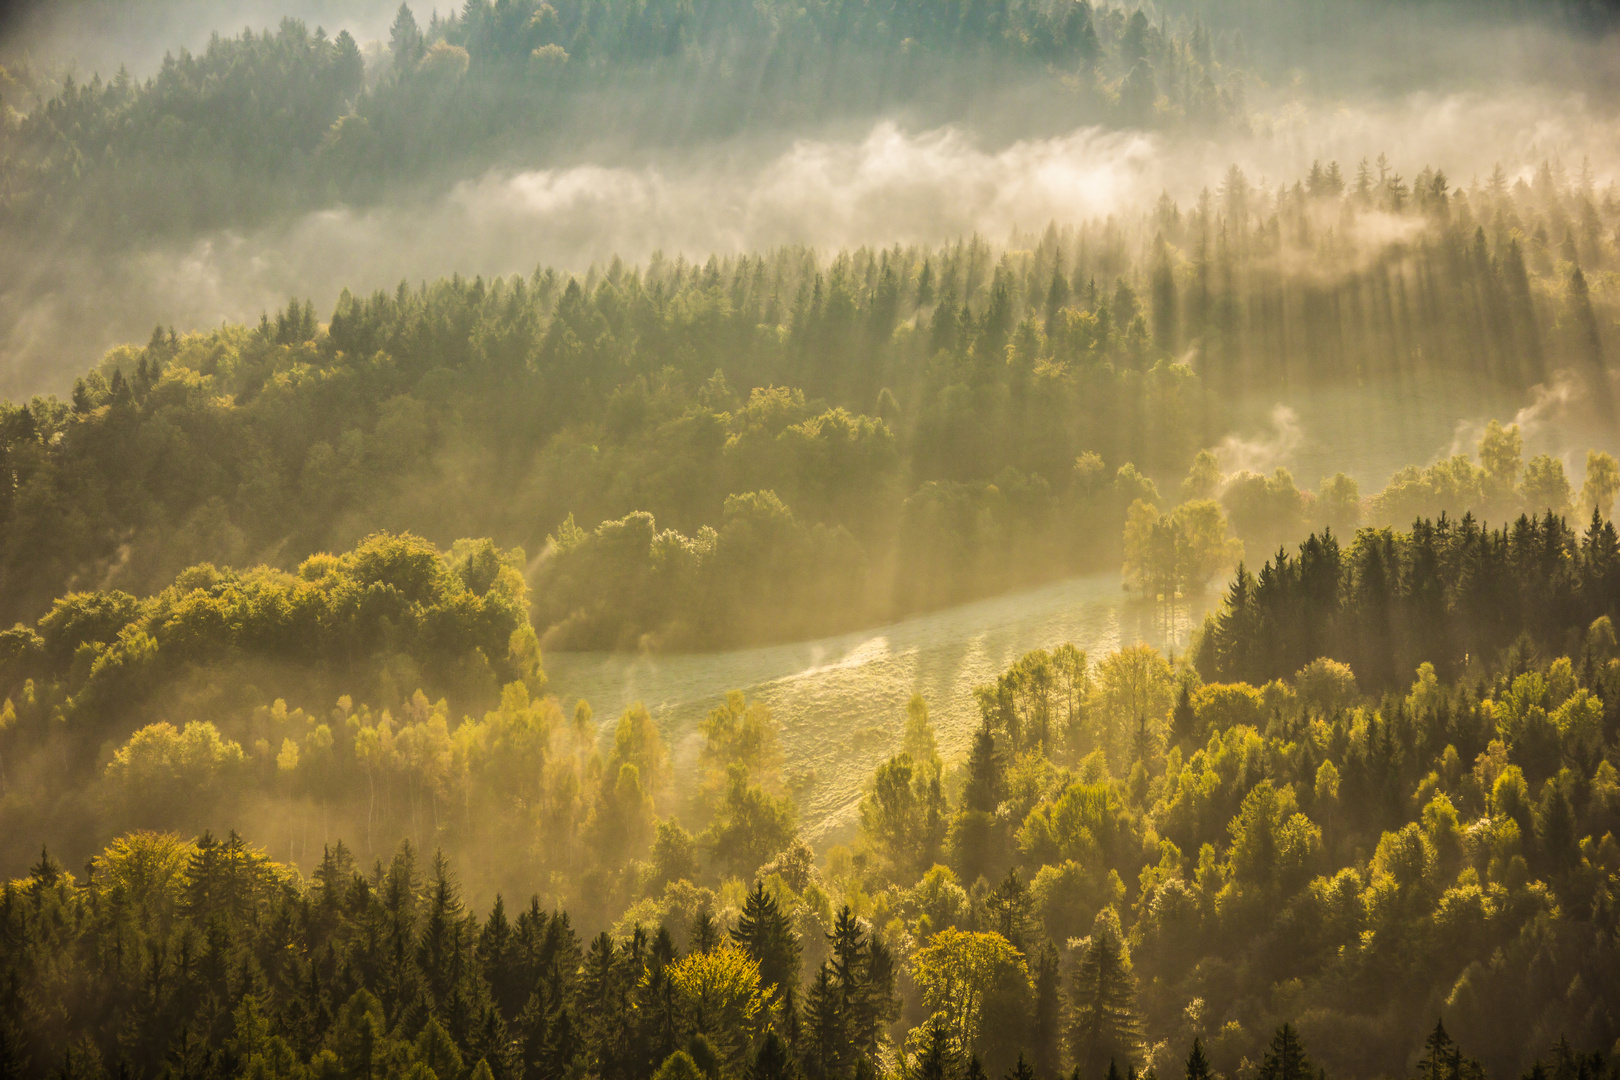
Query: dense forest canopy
x,y
287,790
1177,864
275,120
830,440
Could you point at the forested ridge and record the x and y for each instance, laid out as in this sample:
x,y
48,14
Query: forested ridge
x,y
286,791
1132,869
274,121
840,439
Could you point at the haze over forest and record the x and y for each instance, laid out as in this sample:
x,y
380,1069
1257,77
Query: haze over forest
x,y
845,540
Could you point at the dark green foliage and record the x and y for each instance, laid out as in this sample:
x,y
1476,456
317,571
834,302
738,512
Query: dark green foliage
x,y
1104,1027
1443,1059
772,1061
1286,1058
937,1060
1197,1063
275,121
1445,592
826,1050
1046,1029
766,933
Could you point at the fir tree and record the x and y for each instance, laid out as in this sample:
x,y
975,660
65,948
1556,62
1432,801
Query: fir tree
x,y
1286,1058
766,934
1197,1063
1046,1026
772,1061
1104,1026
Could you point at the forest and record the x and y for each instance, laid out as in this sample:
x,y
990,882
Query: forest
x,y
834,441
1224,877
1137,603
264,122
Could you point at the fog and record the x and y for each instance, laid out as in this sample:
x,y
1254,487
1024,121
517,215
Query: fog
x,y
84,37
886,186
1487,93
848,520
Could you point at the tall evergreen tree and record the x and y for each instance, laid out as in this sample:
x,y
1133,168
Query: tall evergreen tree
x,y
1103,1029
1046,1027
1197,1063
766,934
1286,1058
828,1051
772,1061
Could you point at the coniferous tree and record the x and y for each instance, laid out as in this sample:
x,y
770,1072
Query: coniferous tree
x,y
1197,1063
1010,905
705,935
936,1061
494,1046
1183,718
828,1049
772,1061
1286,1058
1443,1059
1103,1028
1046,1026
766,934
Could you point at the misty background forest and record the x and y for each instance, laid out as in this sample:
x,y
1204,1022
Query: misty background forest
x,y
847,540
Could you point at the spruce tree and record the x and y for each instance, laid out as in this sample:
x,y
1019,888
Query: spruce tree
x,y
705,933
1183,719
936,1061
1443,1059
772,1061
766,934
983,787
827,1049
1197,1063
1104,1027
1046,1025
1286,1058
494,1045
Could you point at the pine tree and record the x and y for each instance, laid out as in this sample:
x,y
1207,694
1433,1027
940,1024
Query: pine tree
x,y
534,1032
1286,1058
439,953
705,933
1104,1026
936,1061
1443,1059
771,1061
498,954
495,1047
1183,718
602,1005
405,39
1197,1063
983,788
1010,904
766,934
1046,1028
824,1034
563,1047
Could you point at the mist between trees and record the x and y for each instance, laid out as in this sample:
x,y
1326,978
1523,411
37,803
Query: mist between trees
x,y
1131,867
285,789
197,146
776,445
